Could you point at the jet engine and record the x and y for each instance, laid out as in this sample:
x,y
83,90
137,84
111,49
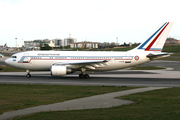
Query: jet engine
x,y
60,70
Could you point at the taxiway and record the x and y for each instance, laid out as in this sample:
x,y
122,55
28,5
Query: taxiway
x,y
160,78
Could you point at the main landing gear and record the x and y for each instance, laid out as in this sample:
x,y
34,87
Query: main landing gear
x,y
28,74
83,74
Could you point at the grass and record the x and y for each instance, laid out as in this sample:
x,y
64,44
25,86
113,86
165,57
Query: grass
x,y
14,97
170,58
173,48
4,68
146,68
176,54
153,105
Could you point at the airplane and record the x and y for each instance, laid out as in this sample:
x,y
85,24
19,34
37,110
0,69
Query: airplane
x,y
1,56
61,63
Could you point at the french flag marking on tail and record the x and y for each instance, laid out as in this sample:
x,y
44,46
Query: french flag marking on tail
x,y
156,41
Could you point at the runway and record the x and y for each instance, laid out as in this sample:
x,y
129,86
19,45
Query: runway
x,y
115,78
152,78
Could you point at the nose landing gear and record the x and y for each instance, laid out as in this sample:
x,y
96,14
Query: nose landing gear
x,y
28,74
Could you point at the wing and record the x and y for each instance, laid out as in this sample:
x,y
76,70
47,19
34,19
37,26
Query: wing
x,y
85,64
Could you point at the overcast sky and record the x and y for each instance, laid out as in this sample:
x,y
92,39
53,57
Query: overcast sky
x,y
94,20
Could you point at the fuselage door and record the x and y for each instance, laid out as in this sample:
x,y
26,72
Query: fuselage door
x,y
68,59
26,58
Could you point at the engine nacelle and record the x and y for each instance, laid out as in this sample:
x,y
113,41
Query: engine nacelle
x,y
60,70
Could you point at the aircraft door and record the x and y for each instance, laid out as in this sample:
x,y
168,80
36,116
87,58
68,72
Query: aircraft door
x,y
128,60
26,58
68,59
27,61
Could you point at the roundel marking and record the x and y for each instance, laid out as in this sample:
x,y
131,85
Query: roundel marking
x,y
136,58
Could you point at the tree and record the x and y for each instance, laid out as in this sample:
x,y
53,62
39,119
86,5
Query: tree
x,y
125,44
46,47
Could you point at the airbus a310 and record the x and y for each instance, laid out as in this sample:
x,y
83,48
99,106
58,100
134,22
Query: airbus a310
x,y
61,63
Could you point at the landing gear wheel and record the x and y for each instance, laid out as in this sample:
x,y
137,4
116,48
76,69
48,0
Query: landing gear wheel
x,y
28,75
81,76
86,76
83,73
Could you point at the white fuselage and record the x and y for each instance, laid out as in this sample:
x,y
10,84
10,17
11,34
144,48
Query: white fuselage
x,y
43,60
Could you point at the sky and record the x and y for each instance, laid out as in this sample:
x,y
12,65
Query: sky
x,y
91,20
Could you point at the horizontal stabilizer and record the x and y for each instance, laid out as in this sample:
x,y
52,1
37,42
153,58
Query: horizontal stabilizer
x,y
157,56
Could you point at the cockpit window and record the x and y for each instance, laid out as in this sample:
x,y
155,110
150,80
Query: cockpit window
x,y
13,57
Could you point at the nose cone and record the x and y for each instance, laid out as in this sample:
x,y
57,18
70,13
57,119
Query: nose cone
x,y
7,61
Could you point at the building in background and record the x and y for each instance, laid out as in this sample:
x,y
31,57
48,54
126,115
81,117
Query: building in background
x,y
85,44
52,43
36,43
58,42
172,41
68,41
1,47
108,45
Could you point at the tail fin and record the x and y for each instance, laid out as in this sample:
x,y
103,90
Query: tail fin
x,y
156,41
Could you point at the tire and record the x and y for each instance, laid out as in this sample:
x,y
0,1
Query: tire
x,y
28,75
81,76
86,76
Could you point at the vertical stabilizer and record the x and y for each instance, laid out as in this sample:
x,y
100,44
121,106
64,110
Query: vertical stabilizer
x,y
156,41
